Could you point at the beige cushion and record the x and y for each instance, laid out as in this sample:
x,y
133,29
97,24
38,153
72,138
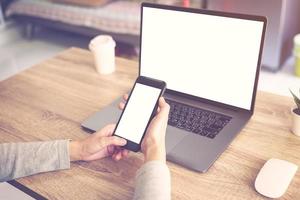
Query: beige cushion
x,y
83,2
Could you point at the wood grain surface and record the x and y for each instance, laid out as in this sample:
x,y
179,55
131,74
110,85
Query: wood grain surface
x,y
51,99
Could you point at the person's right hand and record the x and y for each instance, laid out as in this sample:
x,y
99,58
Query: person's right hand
x,y
98,145
153,144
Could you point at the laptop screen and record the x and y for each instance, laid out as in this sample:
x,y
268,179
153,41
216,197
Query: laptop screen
x,y
208,56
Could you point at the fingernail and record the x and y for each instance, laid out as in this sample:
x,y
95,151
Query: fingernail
x,y
124,141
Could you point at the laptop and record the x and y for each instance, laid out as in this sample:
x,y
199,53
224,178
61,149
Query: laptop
x,y
210,61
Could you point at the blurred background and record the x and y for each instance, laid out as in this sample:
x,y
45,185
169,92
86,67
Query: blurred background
x,y
34,30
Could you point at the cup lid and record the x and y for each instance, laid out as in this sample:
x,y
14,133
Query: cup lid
x,y
102,40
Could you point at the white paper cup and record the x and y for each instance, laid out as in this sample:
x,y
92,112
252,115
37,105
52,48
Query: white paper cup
x,y
103,49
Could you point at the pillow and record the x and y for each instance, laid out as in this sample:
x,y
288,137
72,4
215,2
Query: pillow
x,y
151,1
83,2
170,2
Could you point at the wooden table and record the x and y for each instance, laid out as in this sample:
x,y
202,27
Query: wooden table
x,y
51,99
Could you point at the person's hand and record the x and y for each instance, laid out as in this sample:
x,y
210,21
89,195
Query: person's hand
x,y
98,145
153,144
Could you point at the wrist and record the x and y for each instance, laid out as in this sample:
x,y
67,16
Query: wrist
x,y
75,151
154,153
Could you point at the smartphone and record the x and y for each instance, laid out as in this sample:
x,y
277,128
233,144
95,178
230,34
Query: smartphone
x,y
140,108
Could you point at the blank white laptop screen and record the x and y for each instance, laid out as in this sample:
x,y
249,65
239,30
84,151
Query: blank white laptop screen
x,y
208,56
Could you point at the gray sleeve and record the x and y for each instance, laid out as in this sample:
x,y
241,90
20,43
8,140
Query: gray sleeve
x,y
24,159
153,182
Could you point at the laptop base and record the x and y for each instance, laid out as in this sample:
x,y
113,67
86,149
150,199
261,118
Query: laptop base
x,y
190,150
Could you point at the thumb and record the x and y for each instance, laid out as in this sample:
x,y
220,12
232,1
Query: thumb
x,y
164,107
113,140
106,131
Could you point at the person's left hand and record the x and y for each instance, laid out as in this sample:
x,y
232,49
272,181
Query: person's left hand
x,y
99,145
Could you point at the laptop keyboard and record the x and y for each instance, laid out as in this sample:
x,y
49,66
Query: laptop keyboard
x,y
196,120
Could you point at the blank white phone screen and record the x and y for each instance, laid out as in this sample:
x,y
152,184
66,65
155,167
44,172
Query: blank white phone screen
x,y
137,112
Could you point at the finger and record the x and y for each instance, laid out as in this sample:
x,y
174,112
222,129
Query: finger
x,y
109,127
125,97
121,105
113,140
161,103
118,156
158,109
114,156
125,153
117,150
111,149
163,106
106,130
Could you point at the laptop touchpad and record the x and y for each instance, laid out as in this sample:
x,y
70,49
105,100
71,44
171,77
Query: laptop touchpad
x,y
108,115
173,137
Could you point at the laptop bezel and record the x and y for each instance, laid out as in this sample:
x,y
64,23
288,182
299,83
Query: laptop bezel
x,y
214,13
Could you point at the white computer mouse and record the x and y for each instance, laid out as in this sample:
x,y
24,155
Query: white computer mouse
x,y
275,177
